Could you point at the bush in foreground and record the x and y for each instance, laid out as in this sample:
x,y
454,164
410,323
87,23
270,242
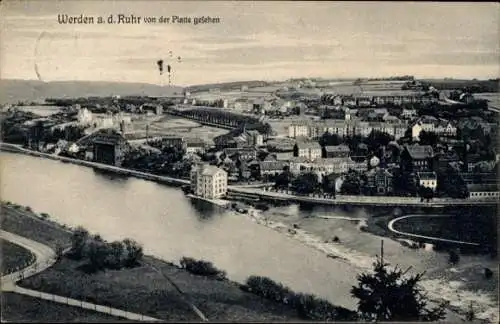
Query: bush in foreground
x,y
307,306
104,255
202,268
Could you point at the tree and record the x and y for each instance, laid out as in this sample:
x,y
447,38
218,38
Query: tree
x,y
306,183
115,257
377,139
134,252
328,139
428,138
328,184
453,257
98,252
351,184
78,242
283,180
390,295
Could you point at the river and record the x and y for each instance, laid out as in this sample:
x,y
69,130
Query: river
x,y
170,225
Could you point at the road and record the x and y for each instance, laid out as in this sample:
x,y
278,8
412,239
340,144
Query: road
x,y
362,200
46,257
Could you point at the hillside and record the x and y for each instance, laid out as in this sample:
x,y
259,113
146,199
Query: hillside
x,y
12,91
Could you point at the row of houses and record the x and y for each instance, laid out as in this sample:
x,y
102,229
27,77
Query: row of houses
x,y
379,99
342,128
439,126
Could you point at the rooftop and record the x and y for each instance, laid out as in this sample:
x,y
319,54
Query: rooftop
x,y
208,170
427,175
477,187
420,151
337,148
308,145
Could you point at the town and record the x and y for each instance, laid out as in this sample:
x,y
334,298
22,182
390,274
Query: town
x,y
401,138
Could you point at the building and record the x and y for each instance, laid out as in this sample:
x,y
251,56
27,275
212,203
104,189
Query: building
x,y
208,181
243,153
254,138
109,148
172,141
427,180
336,151
342,128
380,181
272,167
194,145
298,130
439,126
417,158
483,191
409,113
309,150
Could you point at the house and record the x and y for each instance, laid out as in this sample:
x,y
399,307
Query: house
x,y
336,151
194,145
109,148
242,153
466,98
483,191
380,181
349,101
440,127
427,180
272,168
409,113
298,130
417,158
254,138
172,141
310,150
208,181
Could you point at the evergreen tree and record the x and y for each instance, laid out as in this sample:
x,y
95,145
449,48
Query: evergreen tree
x,y
390,295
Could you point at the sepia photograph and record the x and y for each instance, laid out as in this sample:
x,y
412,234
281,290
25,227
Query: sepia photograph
x,y
249,161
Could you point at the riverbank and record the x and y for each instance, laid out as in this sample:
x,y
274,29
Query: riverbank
x,y
257,193
152,295
348,239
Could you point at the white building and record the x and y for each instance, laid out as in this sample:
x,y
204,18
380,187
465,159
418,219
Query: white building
x,y
427,179
84,116
298,130
208,181
440,127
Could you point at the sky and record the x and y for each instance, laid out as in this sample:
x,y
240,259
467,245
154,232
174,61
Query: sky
x,y
253,41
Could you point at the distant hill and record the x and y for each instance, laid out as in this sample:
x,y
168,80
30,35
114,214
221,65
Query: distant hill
x,y
13,91
227,85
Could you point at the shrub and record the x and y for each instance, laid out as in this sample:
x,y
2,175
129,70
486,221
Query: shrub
x,y
78,242
453,257
134,252
44,216
201,268
307,306
59,251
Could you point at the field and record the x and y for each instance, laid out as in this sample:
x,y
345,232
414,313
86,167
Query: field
x,y
143,290
140,289
165,125
493,99
19,308
13,257
21,222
